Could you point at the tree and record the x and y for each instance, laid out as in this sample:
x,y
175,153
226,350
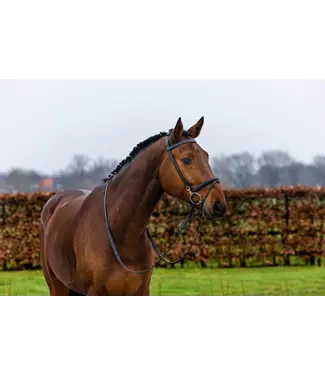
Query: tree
x,y
319,168
79,165
272,165
22,180
100,168
238,169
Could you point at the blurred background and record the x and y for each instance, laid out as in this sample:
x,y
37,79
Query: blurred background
x,y
72,133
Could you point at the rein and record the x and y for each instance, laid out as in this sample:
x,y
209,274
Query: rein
x,y
193,192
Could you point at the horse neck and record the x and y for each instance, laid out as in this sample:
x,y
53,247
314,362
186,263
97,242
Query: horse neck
x,y
137,191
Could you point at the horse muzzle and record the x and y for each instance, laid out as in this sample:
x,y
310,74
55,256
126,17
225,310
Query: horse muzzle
x,y
217,211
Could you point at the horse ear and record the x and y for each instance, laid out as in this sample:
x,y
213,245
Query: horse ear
x,y
178,130
195,130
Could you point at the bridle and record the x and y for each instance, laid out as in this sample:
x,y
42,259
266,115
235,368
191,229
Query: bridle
x,y
193,192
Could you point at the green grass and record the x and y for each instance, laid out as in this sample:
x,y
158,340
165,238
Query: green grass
x,y
272,281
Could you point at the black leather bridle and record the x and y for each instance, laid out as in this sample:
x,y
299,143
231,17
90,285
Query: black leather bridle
x,y
193,192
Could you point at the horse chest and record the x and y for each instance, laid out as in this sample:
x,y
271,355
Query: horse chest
x,y
119,283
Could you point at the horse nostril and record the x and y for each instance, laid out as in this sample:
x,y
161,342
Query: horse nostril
x,y
219,208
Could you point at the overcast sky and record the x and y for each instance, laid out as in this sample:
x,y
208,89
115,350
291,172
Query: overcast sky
x,y
44,123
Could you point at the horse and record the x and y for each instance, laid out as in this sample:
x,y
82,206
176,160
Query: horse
x,y
96,242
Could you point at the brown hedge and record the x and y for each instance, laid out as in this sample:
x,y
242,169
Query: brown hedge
x,y
262,227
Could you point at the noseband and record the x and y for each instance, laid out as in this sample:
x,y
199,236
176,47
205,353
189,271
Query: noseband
x,y
193,192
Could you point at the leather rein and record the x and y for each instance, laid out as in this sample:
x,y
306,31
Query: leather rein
x,y
193,195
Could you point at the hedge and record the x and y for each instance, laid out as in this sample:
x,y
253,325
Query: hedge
x,y
262,227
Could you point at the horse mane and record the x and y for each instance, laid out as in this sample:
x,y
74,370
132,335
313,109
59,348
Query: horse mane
x,y
137,149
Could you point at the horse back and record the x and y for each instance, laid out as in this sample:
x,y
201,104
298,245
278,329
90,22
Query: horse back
x,y
58,200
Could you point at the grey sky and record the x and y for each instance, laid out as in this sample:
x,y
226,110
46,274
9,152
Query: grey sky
x,y
44,122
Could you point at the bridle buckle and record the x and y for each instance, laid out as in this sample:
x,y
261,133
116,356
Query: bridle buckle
x,y
192,194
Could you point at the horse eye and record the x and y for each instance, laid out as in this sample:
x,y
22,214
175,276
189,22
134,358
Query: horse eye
x,y
186,161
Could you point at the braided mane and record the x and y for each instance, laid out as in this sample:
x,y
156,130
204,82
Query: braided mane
x,y
137,149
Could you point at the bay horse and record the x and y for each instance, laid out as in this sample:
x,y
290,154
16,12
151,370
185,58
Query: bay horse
x,y
96,242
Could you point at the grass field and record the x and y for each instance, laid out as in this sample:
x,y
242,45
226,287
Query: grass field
x,y
272,281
